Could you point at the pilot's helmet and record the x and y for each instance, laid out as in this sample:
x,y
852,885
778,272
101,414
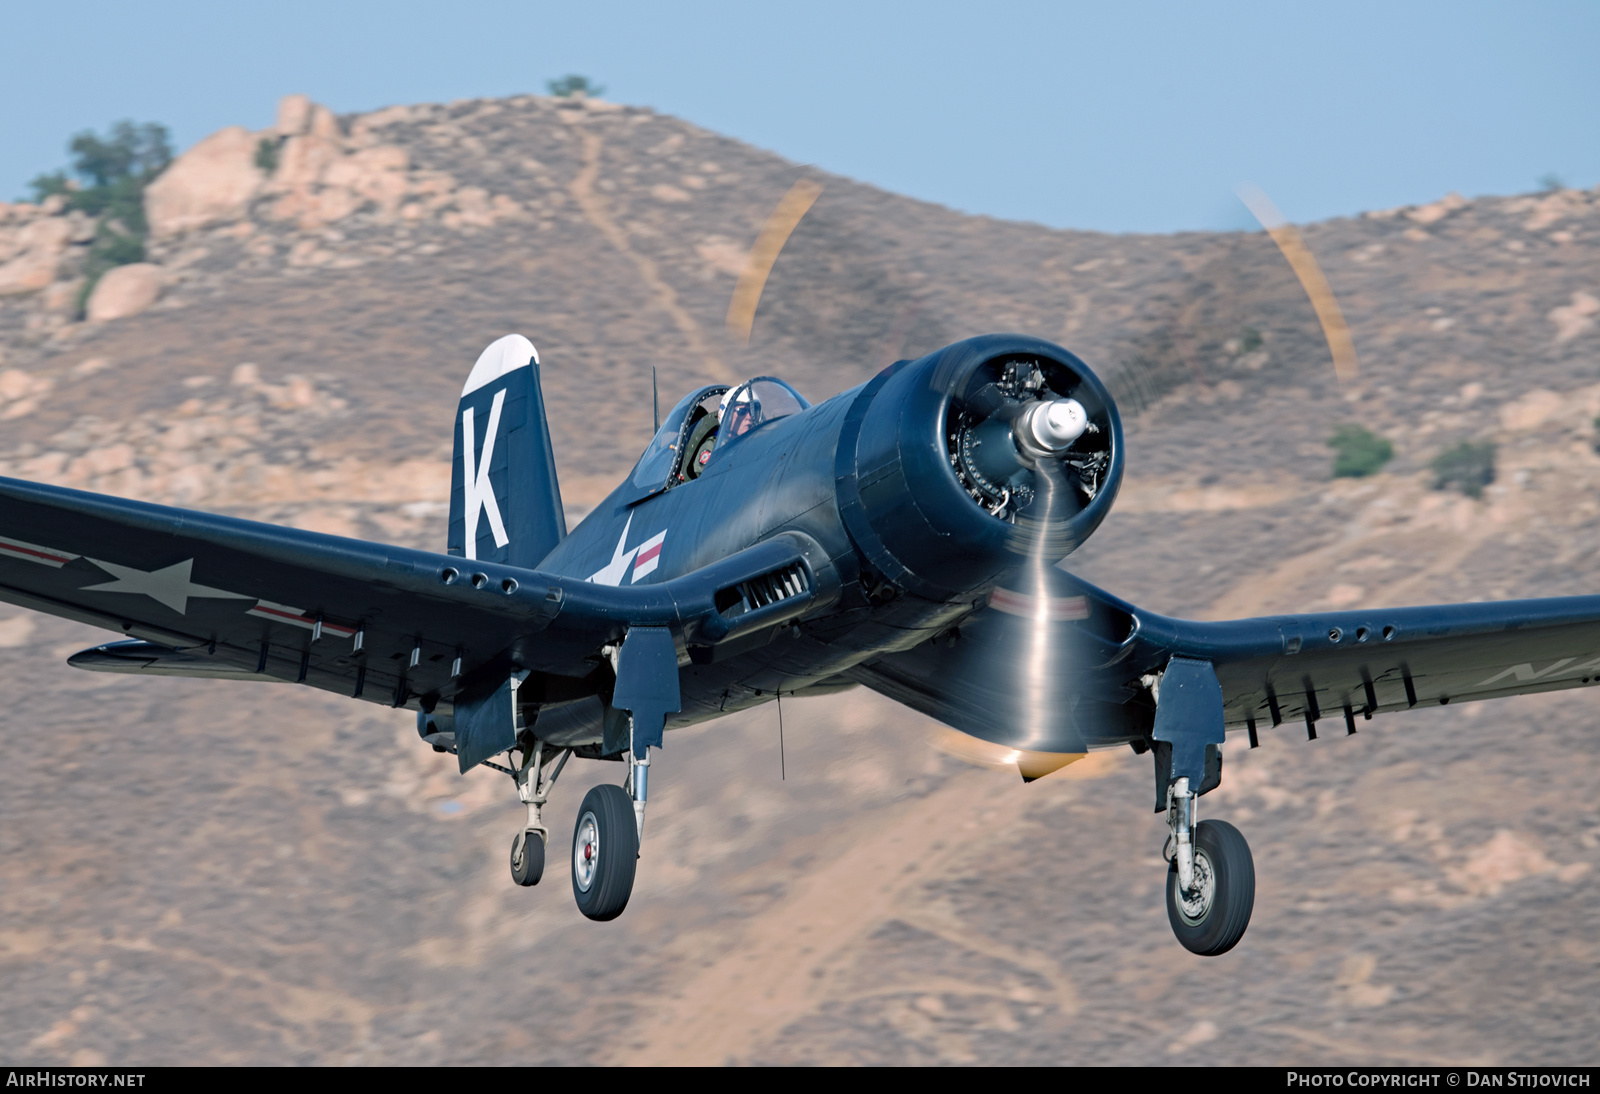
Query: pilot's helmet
x,y
739,412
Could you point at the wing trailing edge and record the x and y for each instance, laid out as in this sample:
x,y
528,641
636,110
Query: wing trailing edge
x,y
1296,669
235,599
1338,665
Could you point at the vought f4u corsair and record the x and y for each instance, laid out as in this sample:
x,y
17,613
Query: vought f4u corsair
x,y
904,536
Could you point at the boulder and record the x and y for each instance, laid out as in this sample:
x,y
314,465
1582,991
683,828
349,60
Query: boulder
x,y
1575,318
1532,410
14,384
376,174
389,115
83,227
722,255
124,291
1438,210
303,160
294,115
61,298
328,205
324,124
211,183
1553,207
39,246
473,201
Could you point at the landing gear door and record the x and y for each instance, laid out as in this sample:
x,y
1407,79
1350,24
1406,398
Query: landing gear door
x,y
647,684
486,722
1189,718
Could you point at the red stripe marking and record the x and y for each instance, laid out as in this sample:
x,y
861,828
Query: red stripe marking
x,y
302,618
646,556
282,615
36,554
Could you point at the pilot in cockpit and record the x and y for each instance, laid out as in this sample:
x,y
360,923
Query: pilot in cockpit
x,y
737,413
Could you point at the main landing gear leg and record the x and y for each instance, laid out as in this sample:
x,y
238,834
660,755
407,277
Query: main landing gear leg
x,y
605,845
639,786
1211,882
1211,878
534,780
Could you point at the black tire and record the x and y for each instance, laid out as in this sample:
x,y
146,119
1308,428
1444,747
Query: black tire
x,y
605,856
1218,924
527,858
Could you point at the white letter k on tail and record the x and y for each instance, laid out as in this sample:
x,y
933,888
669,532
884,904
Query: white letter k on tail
x,y
477,494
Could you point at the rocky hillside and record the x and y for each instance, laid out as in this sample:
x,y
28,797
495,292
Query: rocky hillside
x,y
194,871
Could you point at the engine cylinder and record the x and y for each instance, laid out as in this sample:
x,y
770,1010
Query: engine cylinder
x,y
953,467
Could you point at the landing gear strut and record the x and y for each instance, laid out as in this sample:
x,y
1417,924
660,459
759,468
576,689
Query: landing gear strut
x,y
1211,882
534,780
605,846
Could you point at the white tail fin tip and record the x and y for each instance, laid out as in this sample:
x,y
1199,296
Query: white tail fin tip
x,y
504,356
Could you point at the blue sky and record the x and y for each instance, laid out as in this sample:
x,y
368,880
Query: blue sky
x,y
1129,118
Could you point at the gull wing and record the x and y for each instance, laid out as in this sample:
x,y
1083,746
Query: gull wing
x,y
382,623
1103,651
1340,664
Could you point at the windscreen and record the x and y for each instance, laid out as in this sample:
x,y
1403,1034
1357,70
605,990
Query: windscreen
x,y
662,455
762,400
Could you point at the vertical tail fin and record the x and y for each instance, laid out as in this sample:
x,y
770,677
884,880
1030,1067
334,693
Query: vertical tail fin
x,y
505,502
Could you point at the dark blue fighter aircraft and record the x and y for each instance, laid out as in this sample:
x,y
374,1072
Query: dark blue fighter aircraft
x,y
903,536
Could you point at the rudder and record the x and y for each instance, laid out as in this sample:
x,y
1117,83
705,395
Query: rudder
x,y
505,502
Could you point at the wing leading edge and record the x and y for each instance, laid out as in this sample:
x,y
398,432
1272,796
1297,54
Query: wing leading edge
x,y
1341,664
381,623
1273,670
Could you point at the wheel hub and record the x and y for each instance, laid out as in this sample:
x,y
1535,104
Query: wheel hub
x,y
1193,904
585,852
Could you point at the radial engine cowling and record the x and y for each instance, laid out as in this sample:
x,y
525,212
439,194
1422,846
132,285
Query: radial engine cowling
x,y
953,467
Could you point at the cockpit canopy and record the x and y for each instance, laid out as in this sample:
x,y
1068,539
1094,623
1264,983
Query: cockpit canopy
x,y
706,422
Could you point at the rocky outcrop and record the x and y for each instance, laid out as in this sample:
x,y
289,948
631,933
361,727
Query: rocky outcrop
x,y
211,183
324,176
294,115
31,253
124,291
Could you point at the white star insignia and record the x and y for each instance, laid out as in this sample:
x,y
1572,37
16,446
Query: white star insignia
x,y
611,573
170,586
